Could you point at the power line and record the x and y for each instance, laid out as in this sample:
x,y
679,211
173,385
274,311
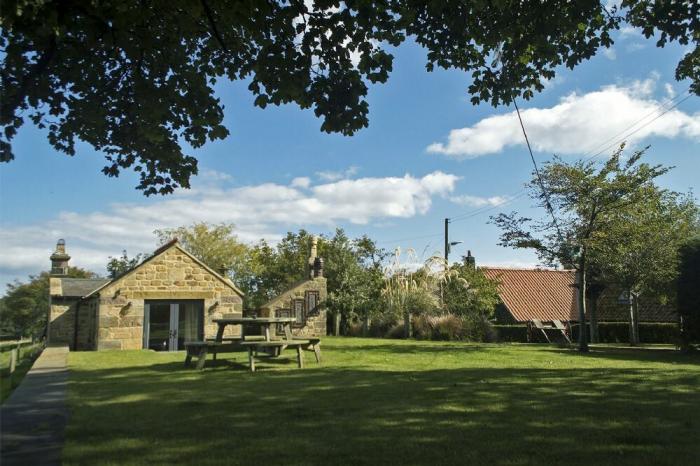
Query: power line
x,y
547,203
521,193
635,123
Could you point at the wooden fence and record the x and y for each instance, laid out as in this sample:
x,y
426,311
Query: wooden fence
x,y
15,349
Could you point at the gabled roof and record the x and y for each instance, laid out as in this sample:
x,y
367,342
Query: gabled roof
x,y
536,293
172,244
79,287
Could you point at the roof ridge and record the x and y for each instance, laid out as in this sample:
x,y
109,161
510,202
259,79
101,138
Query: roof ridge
x,y
527,269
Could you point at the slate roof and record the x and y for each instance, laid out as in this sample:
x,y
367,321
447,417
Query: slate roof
x,y
79,287
536,293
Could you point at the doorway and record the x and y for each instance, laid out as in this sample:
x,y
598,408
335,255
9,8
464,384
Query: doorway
x,y
169,324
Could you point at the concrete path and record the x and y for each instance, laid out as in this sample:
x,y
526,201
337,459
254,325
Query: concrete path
x,y
33,418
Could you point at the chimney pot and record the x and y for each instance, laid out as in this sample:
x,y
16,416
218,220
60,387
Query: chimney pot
x,y
59,259
469,259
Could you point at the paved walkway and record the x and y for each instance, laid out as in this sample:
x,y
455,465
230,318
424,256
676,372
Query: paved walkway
x,y
33,419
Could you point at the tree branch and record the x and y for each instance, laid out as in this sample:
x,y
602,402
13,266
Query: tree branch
x,y
10,103
212,23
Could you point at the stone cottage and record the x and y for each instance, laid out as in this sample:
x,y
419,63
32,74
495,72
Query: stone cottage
x,y
170,298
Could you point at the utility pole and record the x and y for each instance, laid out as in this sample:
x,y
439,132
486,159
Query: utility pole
x,y
447,241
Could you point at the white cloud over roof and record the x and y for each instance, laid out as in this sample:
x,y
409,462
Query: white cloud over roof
x,y
258,211
576,124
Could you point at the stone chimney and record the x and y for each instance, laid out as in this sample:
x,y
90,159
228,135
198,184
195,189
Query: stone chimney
x,y
59,259
318,268
469,259
313,256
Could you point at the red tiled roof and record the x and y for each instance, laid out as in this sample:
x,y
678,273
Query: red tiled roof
x,y
536,293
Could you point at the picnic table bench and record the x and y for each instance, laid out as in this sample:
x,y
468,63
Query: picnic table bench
x,y
253,343
253,346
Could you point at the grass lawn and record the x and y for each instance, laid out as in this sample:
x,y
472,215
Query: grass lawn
x,y
389,402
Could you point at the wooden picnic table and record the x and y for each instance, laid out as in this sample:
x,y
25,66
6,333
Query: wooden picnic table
x,y
265,323
200,349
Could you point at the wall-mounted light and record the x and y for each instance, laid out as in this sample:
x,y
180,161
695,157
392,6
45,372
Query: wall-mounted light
x,y
213,307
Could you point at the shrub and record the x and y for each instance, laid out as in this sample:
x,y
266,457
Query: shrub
x,y
423,327
448,327
478,328
395,331
379,327
354,329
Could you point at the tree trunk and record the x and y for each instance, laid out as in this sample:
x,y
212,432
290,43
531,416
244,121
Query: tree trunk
x,y
365,325
407,325
634,325
581,279
336,324
593,316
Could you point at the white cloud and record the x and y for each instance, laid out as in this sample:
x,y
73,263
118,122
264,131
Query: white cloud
x,y
670,91
576,125
630,31
609,53
636,46
330,175
301,182
476,201
214,175
259,211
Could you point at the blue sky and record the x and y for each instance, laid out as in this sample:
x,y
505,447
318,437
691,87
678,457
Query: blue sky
x,y
427,154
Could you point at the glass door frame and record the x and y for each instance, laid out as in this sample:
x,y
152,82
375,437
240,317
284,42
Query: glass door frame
x,y
174,321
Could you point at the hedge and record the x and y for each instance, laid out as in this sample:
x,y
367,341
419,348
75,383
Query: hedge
x,y
618,332
609,332
511,333
517,333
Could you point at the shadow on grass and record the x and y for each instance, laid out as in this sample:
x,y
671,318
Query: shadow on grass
x,y
162,413
642,354
412,348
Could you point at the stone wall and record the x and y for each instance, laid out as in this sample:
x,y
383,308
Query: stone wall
x,y
61,320
315,321
170,275
87,323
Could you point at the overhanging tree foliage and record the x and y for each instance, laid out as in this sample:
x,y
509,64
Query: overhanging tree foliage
x,y
136,79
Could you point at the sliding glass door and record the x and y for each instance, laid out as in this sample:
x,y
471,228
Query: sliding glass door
x,y
169,324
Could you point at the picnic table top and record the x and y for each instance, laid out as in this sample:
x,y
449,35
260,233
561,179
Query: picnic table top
x,y
254,320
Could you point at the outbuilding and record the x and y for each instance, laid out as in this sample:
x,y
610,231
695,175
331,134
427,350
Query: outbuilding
x,y
168,299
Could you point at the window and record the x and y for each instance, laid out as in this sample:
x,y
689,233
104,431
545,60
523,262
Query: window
x,y
298,312
312,298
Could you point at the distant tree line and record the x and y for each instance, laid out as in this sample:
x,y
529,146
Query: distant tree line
x,y
608,220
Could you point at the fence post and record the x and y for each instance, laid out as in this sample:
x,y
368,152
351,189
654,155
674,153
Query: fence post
x,y
13,360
